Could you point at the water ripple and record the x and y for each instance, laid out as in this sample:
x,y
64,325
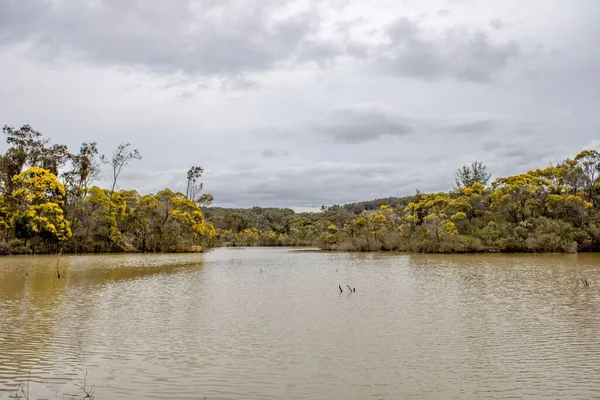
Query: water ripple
x,y
189,326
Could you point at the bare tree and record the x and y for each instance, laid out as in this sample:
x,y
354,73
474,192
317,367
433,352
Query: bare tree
x,y
120,158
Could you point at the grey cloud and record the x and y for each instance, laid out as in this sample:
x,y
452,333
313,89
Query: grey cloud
x,y
270,153
492,145
521,154
206,37
593,145
362,123
414,51
150,72
308,186
497,24
230,39
370,121
477,126
239,83
147,181
191,90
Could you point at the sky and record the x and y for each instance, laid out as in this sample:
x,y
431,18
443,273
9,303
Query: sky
x,y
302,103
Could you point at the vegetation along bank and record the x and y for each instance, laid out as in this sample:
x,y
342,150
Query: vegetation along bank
x,y
48,203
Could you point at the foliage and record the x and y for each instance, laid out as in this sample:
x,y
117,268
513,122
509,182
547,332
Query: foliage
x,y
39,212
468,175
46,203
193,185
544,210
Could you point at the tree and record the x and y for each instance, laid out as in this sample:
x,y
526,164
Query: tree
x,y
53,158
193,184
205,200
520,196
468,175
120,158
589,164
40,213
84,169
27,145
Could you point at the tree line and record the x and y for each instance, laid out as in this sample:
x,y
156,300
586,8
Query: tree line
x,y
553,209
48,202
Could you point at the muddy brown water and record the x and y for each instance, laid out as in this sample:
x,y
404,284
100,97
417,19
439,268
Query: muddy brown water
x,y
258,323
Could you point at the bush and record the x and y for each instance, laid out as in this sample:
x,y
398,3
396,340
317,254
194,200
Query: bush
x,y
15,246
16,243
551,236
4,248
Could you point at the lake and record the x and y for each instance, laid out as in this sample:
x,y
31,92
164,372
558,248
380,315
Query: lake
x,y
258,323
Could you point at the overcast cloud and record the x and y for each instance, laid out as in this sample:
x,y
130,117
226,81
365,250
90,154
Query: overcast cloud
x,y
309,102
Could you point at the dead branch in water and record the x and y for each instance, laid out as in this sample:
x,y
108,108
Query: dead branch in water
x,y
57,262
89,392
585,282
21,394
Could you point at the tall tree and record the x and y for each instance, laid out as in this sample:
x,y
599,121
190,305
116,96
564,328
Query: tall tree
x,y
121,157
84,170
193,184
468,175
30,149
27,146
589,164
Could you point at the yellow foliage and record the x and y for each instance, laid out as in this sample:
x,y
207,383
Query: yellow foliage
x,y
4,213
458,216
37,185
385,208
42,198
379,219
450,228
360,221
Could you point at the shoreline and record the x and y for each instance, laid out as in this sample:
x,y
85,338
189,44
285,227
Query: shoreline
x,y
314,249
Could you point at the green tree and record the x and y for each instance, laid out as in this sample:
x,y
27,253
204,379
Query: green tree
x,y
468,175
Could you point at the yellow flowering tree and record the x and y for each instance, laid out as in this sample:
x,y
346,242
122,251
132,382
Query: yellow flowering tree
x,y
40,212
190,215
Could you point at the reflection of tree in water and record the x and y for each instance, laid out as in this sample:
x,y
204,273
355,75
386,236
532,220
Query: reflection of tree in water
x,y
30,295
46,322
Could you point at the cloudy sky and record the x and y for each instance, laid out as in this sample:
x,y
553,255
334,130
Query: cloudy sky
x,y
308,102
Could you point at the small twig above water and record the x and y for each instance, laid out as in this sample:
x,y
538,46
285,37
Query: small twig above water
x,y
22,393
585,282
89,392
341,290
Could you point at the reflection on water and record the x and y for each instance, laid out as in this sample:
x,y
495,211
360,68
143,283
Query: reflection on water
x,y
188,326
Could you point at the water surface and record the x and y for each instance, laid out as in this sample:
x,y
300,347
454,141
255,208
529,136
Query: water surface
x,y
214,325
